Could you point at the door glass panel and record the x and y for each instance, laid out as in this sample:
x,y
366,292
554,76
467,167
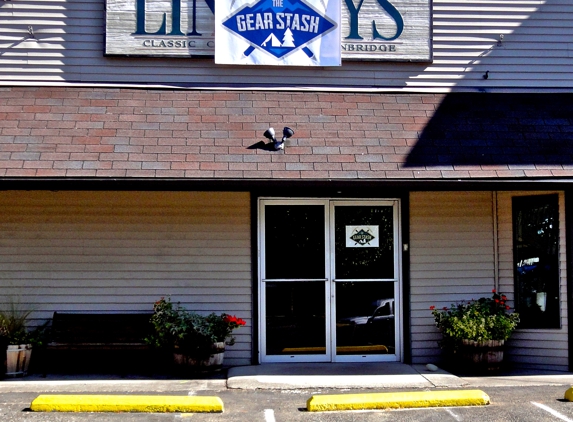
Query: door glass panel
x,y
296,318
365,318
295,254
364,242
294,242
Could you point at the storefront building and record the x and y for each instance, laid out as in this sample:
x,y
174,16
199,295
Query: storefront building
x,y
405,185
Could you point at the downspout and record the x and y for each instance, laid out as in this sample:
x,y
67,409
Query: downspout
x,y
569,270
495,241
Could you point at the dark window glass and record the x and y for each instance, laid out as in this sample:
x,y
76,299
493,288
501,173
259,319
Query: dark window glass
x,y
364,262
294,236
296,318
365,318
536,260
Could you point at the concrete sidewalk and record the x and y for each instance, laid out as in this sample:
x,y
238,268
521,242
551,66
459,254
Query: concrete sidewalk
x,y
381,375
289,376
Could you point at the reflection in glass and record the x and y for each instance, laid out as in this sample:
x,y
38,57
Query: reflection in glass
x,y
295,320
365,318
364,261
294,241
536,260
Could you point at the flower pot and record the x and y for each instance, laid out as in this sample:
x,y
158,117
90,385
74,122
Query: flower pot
x,y
18,360
211,360
482,355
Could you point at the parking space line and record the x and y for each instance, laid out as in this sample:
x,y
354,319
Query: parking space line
x,y
270,415
453,415
553,412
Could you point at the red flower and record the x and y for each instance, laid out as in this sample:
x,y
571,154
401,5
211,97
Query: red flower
x,y
507,307
233,320
493,290
445,308
432,308
497,301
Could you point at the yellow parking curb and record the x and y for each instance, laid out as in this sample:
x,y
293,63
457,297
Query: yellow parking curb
x,y
321,403
131,403
569,394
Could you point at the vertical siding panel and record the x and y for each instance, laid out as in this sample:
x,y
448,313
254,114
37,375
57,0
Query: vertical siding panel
x,y
451,252
121,251
539,348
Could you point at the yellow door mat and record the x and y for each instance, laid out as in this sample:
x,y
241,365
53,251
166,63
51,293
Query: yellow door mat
x,y
380,348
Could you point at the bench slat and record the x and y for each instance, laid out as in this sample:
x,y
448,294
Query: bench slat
x,y
97,330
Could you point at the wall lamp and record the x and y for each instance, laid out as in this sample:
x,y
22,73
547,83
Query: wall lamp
x,y
278,145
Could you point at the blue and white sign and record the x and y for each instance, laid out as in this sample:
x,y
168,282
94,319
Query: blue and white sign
x,y
278,32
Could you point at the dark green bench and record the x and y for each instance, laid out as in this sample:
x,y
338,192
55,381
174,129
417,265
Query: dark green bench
x,y
121,332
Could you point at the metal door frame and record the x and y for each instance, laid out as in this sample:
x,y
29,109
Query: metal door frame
x,y
329,207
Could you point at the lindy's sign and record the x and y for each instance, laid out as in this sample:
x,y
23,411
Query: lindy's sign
x,y
278,32
370,29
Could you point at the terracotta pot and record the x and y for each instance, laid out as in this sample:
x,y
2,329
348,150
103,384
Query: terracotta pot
x,y
186,362
483,355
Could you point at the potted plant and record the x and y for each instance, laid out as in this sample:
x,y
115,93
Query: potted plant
x,y
16,339
196,341
477,330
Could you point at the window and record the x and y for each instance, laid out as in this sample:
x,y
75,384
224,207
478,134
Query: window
x,y
536,260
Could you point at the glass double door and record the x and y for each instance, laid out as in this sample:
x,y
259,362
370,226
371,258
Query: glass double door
x,y
329,280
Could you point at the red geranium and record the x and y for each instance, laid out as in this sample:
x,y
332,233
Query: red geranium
x,y
233,321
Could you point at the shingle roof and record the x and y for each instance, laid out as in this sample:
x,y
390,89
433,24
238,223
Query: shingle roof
x,y
123,133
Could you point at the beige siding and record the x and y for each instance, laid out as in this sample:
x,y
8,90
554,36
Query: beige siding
x,y
533,348
121,251
452,259
535,52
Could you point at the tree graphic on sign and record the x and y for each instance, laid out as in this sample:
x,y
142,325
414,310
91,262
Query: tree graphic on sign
x,y
288,39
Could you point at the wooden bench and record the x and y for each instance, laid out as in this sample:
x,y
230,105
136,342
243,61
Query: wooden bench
x,y
99,332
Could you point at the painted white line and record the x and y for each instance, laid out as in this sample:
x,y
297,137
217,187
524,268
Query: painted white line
x,y
270,415
456,417
553,412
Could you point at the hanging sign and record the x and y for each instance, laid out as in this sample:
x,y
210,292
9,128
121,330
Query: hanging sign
x,y
278,32
386,30
167,28
367,29
362,237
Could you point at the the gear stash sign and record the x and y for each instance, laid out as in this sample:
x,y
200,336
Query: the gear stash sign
x,y
278,32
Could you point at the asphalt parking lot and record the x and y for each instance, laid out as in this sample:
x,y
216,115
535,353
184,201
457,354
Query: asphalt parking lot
x,y
533,403
521,397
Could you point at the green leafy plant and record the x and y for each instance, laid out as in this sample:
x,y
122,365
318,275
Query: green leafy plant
x,y
174,326
477,320
13,324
